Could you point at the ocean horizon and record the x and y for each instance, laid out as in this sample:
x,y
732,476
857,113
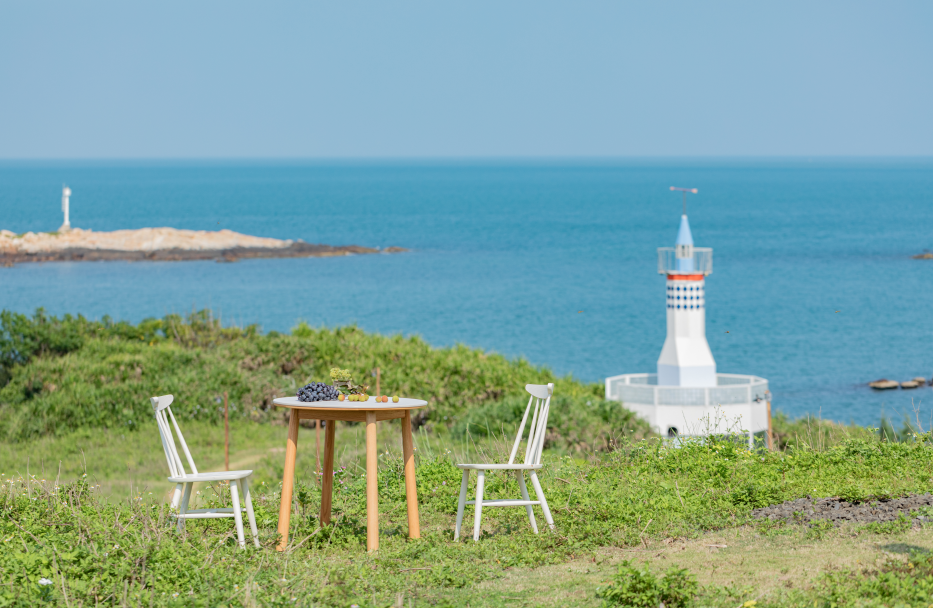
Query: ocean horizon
x,y
814,286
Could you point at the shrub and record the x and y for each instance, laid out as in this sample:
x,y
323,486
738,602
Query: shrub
x,y
635,587
897,583
575,423
64,374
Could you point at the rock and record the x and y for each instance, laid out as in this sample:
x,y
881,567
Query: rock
x,y
837,510
160,244
923,256
910,385
884,384
920,380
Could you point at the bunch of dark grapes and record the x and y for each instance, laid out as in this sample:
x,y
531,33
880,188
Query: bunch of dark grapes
x,y
317,392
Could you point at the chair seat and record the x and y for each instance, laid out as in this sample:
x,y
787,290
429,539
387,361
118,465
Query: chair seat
x,y
497,466
212,476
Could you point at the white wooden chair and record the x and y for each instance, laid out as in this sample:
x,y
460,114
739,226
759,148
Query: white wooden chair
x,y
185,480
541,398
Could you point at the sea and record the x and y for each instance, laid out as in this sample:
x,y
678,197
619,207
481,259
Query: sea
x,y
814,284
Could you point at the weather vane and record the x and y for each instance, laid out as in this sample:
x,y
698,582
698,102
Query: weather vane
x,y
684,197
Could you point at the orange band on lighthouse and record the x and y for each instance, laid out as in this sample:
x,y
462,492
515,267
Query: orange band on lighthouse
x,y
698,277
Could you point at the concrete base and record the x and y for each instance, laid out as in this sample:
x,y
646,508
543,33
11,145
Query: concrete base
x,y
703,420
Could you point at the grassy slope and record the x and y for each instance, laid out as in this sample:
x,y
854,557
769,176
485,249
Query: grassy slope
x,y
81,402
104,380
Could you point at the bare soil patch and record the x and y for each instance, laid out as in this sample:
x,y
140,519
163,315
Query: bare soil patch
x,y
839,511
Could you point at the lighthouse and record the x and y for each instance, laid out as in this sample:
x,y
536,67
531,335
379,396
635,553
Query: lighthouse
x,y
686,360
66,226
686,396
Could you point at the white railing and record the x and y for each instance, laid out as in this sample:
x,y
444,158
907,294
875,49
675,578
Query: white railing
x,y
644,389
700,263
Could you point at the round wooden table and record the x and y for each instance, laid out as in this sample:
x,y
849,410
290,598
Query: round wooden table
x,y
368,412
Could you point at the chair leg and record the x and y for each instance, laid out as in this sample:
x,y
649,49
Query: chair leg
x,y
461,502
478,506
541,497
183,508
525,497
249,511
176,495
238,516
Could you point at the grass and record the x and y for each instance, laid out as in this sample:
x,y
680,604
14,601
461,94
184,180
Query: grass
x,y
61,375
646,502
83,494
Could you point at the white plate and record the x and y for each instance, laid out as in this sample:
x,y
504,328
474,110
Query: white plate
x,y
371,404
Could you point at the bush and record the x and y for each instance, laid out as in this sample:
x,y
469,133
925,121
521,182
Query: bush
x,y
635,587
582,424
897,583
60,375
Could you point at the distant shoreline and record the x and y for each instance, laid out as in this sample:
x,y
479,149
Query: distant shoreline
x,y
161,244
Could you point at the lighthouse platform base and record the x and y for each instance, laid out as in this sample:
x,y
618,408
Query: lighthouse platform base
x,y
737,404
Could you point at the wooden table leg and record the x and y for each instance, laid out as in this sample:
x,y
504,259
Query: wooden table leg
x,y
372,486
318,448
408,459
327,474
288,480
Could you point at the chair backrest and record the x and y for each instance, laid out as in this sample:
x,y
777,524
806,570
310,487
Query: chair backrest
x,y
163,413
540,397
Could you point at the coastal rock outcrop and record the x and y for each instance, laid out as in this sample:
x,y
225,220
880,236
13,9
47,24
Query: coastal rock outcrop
x,y
161,244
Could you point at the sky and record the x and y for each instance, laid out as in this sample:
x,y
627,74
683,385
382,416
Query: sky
x,y
208,79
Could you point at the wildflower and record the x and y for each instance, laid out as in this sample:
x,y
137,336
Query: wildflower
x,y
283,580
45,581
116,546
236,587
175,595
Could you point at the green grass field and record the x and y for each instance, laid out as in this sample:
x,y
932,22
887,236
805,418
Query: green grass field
x,y
638,522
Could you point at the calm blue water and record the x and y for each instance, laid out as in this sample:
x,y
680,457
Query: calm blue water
x,y
506,255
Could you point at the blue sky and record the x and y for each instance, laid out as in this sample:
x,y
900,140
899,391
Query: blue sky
x,y
464,79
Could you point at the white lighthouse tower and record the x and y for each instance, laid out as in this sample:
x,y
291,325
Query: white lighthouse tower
x,y
686,396
686,360
66,226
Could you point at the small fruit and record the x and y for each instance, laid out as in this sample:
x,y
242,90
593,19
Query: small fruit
x,y
340,398
395,398
384,399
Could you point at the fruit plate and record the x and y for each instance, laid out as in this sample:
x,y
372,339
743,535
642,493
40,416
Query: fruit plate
x,y
371,404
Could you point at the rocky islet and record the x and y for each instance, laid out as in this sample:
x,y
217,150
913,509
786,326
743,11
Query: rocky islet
x,y
161,244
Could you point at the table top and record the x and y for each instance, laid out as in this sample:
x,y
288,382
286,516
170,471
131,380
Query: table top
x,y
371,404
